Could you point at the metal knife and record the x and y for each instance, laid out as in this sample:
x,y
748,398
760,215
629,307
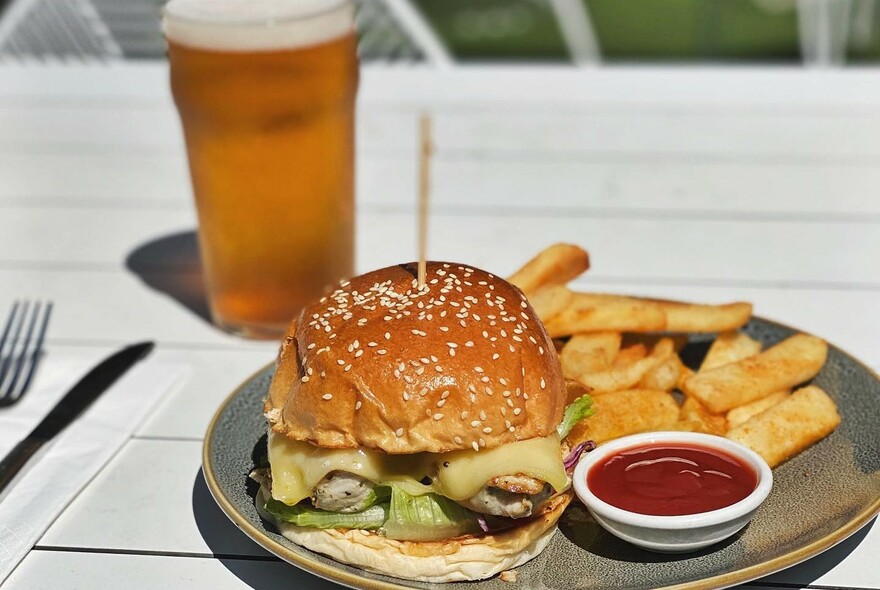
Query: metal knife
x,y
74,402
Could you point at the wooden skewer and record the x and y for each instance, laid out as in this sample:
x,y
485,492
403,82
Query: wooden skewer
x,y
424,190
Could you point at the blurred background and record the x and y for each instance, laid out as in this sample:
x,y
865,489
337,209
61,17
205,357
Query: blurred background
x,y
445,33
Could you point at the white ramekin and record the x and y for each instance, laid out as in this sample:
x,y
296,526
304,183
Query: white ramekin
x,y
673,534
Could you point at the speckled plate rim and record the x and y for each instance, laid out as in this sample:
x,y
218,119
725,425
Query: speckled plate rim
x,y
352,580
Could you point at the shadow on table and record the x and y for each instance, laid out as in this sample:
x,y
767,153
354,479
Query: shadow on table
x,y
172,265
249,562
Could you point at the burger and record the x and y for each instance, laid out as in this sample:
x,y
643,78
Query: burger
x,y
416,430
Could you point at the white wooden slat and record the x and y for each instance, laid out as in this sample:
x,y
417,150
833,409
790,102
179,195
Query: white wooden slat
x,y
771,251
637,187
746,87
654,135
213,376
119,509
580,183
619,132
147,129
111,307
47,570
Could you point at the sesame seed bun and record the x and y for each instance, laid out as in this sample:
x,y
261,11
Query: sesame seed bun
x,y
461,363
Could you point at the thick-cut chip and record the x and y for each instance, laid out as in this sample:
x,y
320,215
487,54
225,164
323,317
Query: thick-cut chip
x,y
792,425
730,347
589,353
588,312
740,414
665,375
555,265
789,363
626,412
628,374
701,419
550,300
689,317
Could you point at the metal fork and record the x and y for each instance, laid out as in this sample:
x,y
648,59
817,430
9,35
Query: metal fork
x,y
20,355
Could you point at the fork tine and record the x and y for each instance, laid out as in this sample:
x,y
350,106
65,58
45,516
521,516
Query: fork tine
x,y
38,348
23,356
15,322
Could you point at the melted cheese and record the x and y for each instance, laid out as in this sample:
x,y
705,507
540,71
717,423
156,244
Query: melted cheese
x,y
461,474
297,467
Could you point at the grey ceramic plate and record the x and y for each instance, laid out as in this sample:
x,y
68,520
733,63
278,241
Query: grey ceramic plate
x,y
819,498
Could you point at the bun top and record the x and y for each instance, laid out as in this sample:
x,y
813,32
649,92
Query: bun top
x,y
461,363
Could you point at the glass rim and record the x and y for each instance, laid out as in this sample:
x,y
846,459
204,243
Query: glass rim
x,y
332,6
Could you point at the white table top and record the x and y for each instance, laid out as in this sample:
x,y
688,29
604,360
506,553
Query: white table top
x,y
713,186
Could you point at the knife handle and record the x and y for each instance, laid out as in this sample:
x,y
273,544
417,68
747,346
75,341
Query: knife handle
x,y
13,462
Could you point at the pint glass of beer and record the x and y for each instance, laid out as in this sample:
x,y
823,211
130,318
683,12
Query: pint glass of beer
x,y
265,90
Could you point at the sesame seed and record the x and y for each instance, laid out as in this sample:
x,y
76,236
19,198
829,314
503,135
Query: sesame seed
x,y
475,446
438,416
399,432
484,379
496,356
482,415
310,346
397,373
516,411
457,440
357,406
387,335
541,349
451,352
462,323
482,442
464,415
543,385
441,403
347,368
305,379
358,353
340,362
327,396
469,343
478,369
488,390
475,423
444,329
438,368
381,351
405,396
487,430
407,378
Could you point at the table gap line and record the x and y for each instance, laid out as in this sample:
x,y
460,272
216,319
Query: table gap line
x,y
468,210
154,553
593,280
489,154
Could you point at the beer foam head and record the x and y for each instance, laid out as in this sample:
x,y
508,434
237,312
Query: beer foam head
x,y
256,25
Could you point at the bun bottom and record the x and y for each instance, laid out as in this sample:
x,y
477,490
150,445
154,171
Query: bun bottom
x,y
454,560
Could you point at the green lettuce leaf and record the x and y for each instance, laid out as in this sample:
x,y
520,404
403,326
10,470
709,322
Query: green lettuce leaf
x,y
427,517
576,411
304,515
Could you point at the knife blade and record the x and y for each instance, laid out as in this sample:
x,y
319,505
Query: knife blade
x,y
75,401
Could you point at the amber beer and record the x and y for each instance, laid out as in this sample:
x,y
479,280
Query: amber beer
x,y
267,108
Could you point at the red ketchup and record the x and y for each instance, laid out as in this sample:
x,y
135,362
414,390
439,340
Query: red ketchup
x,y
671,479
